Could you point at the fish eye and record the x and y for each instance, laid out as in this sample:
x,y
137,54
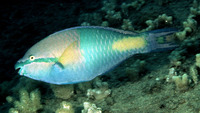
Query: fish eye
x,y
32,58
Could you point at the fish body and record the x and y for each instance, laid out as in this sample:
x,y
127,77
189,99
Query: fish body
x,y
80,54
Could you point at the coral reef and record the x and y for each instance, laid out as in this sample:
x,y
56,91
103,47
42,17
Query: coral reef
x,y
197,63
137,4
160,20
127,25
65,107
85,24
113,16
193,72
90,108
195,9
176,57
190,25
180,54
133,72
172,72
105,24
130,88
83,87
27,84
109,7
62,91
182,82
28,103
100,92
96,19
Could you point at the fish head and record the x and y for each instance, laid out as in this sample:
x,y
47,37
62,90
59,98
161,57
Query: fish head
x,y
37,61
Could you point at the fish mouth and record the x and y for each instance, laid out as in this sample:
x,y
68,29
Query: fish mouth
x,y
19,68
20,71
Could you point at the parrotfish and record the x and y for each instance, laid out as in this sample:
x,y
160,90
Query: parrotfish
x,y
80,54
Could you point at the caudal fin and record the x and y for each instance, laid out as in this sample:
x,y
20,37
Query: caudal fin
x,y
162,39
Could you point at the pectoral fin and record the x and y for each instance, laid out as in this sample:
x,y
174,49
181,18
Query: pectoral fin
x,y
71,55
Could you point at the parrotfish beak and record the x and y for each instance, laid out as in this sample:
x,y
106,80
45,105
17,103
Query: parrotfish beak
x,y
18,67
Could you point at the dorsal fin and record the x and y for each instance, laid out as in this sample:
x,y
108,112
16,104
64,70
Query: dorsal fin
x,y
71,54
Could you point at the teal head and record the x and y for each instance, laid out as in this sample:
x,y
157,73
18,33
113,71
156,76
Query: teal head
x,y
41,61
38,60
36,63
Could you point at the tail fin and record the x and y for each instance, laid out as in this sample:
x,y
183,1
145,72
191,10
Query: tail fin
x,y
161,40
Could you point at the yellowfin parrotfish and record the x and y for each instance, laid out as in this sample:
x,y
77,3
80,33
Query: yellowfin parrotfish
x,y
80,54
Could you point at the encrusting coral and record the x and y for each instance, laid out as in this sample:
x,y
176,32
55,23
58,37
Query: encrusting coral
x,y
152,24
105,23
133,72
112,14
100,92
28,103
182,79
137,4
63,91
197,63
190,25
194,74
182,82
90,108
127,25
109,8
65,107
